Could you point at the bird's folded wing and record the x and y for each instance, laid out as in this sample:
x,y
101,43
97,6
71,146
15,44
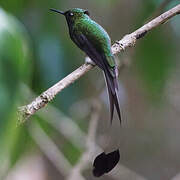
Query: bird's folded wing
x,y
83,43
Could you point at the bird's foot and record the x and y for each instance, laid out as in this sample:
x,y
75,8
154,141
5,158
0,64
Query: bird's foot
x,y
89,61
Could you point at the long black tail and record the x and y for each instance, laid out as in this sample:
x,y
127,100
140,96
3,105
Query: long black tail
x,y
112,86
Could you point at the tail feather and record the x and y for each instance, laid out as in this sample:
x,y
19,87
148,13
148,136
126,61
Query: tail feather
x,y
111,103
116,102
112,86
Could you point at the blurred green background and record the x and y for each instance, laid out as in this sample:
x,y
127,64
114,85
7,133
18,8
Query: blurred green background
x,y
36,52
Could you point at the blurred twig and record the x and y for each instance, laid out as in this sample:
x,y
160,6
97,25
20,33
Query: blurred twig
x,y
64,125
90,146
50,149
127,41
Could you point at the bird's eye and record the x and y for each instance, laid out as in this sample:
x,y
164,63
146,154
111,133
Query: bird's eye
x,y
71,14
86,12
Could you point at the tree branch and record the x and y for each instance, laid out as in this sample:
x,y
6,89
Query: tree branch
x,y
127,41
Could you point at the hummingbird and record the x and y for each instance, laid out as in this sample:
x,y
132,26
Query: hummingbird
x,y
91,38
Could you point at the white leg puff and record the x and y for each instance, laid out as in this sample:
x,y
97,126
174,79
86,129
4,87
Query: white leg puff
x,y
89,61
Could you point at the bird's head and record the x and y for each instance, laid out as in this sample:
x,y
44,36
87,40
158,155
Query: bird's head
x,y
73,14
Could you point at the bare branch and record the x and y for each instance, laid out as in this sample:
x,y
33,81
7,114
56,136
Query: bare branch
x,y
127,41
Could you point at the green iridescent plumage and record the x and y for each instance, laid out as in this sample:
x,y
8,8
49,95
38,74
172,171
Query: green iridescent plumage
x,y
95,42
95,33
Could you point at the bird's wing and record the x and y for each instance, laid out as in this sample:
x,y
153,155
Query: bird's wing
x,y
83,43
101,61
99,58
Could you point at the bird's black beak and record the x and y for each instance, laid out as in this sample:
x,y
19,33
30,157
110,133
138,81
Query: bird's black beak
x,y
57,11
